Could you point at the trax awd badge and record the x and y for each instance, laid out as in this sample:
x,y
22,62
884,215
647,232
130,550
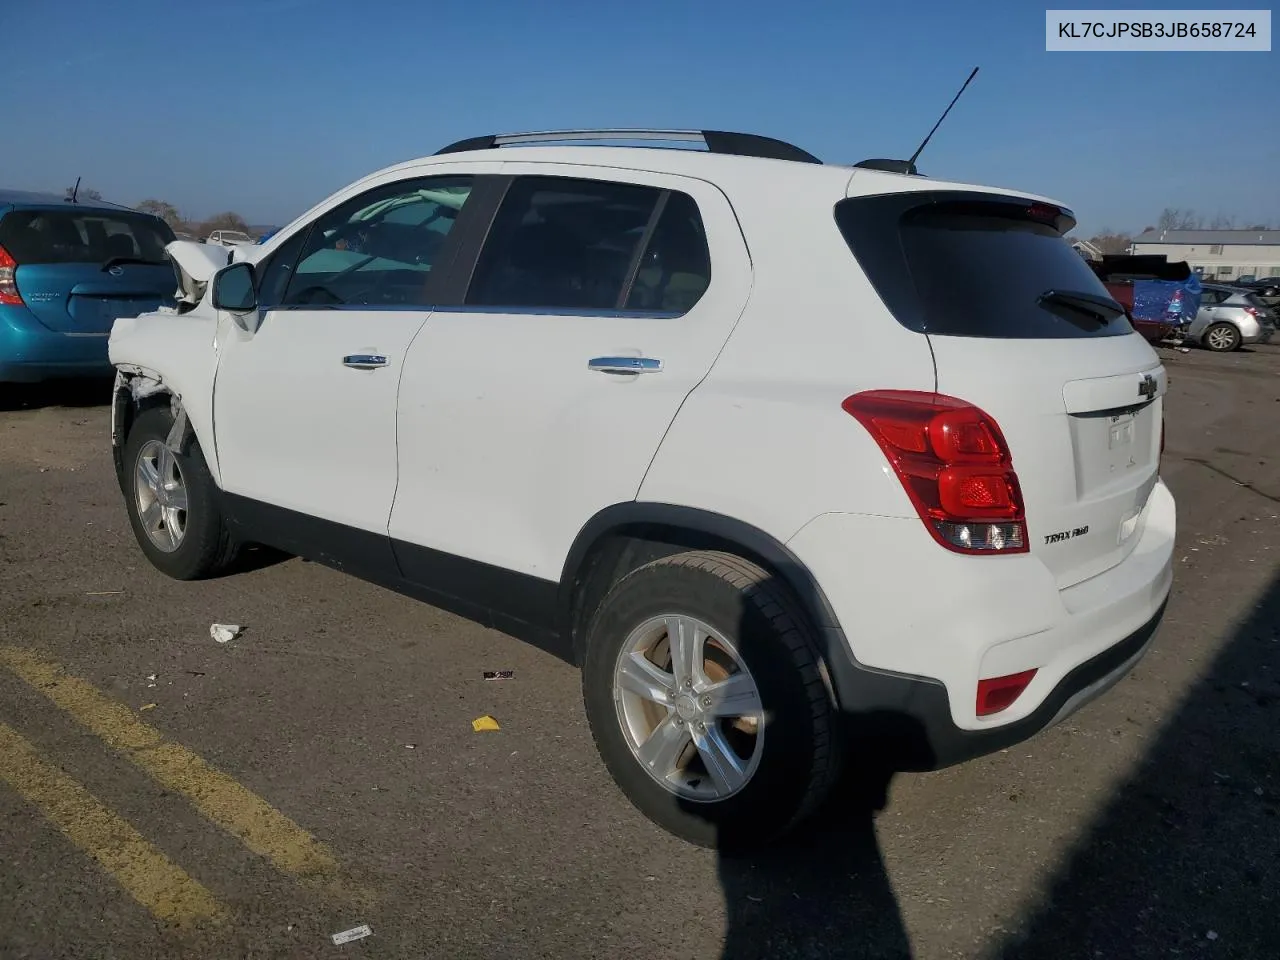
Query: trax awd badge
x,y
1066,535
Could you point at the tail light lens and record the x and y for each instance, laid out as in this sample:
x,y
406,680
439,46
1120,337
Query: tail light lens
x,y
1252,311
954,464
8,280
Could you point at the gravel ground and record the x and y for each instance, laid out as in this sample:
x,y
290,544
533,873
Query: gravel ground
x,y
1145,826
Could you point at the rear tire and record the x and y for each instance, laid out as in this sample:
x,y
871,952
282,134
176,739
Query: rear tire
x,y
173,503
751,788
1222,337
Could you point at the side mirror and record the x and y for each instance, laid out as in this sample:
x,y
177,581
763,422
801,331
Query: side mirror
x,y
233,289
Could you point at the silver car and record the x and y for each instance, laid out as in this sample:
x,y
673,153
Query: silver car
x,y
1230,317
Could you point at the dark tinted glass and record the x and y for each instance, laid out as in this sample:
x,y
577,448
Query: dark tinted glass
x,y
973,267
378,249
676,267
82,236
562,244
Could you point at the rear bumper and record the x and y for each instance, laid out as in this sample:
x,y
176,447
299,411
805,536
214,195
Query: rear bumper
x,y
920,627
905,722
31,352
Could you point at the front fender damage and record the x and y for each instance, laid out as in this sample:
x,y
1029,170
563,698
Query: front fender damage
x,y
133,386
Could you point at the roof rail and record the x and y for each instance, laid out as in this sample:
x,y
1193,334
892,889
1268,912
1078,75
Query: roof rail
x,y
716,141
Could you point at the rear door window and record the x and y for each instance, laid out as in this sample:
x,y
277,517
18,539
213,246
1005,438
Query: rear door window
x,y
970,265
563,244
82,236
675,269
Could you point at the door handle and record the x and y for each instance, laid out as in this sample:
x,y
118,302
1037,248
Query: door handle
x,y
364,361
631,365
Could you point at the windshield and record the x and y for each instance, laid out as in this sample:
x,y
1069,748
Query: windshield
x,y
973,265
82,236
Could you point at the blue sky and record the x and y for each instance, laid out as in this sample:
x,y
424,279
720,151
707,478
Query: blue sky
x,y
267,106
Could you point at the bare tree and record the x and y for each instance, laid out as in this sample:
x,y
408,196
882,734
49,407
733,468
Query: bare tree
x,y
165,211
86,193
228,220
1171,218
1221,222
1110,242
1258,226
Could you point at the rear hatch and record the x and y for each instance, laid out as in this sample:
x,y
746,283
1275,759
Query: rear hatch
x,y
1021,327
1265,313
77,270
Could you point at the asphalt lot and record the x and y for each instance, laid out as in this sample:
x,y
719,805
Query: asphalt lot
x,y
321,771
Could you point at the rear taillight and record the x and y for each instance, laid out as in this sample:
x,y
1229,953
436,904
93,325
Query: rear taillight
x,y
954,464
8,280
1252,311
998,693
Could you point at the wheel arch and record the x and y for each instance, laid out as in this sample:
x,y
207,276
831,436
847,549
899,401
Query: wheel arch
x,y
625,536
137,390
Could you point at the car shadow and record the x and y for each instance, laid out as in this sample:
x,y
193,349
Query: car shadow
x,y
79,393
255,556
1185,858
824,892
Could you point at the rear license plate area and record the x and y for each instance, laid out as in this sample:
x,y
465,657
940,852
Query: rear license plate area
x,y
1112,447
102,312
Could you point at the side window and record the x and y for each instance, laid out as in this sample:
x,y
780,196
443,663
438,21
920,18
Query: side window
x,y
676,267
378,249
273,276
560,243
1210,297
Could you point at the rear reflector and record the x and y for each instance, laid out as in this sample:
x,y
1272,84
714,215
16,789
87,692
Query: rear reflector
x,y
998,693
954,464
8,282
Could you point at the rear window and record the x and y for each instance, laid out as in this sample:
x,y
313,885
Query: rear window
x,y
82,236
963,264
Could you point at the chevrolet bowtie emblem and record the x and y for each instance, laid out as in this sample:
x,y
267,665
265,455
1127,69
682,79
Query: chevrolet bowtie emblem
x,y
1147,386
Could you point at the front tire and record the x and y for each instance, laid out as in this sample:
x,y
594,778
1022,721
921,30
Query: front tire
x,y
173,503
1222,337
704,697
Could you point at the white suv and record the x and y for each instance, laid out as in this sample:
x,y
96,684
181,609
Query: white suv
x,y
802,463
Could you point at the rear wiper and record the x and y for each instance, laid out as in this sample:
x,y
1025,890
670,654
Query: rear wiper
x,y
1102,309
116,261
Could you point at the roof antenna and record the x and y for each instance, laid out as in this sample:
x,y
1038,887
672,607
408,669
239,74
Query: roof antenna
x,y
74,190
920,148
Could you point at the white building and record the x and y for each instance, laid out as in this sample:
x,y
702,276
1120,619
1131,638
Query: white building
x,y
1216,254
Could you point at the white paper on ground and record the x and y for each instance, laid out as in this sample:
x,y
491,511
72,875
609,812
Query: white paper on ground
x,y
224,632
355,933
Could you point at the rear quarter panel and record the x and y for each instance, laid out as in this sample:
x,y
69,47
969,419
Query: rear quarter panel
x,y
763,438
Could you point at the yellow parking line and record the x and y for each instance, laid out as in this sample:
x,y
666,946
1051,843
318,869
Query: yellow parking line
x,y
258,825
148,875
